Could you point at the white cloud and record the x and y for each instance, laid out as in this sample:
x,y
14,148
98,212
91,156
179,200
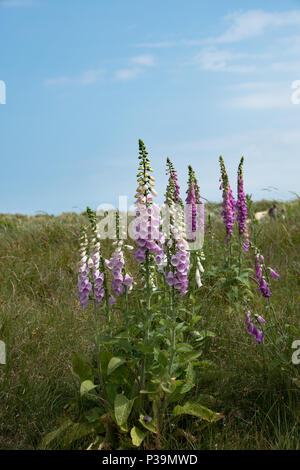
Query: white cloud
x,y
57,81
91,76
266,100
86,78
245,25
146,60
135,67
221,60
253,23
138,65
158,45
242,25
168,44
269,160
263,95
286,66
127,74
253,85
280,55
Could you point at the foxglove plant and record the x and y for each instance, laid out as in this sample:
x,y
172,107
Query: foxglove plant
x,y
148,237
138,372
242,207
200,228
176,247
92,282
195,223
261,278
147,234
191,208
121,279
228,212
84,285
261,274
176,252
116,264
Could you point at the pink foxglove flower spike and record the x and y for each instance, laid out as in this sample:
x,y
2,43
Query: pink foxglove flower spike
x,y
176,272
228,212
242,207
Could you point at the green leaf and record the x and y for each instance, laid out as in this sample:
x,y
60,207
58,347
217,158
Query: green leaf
x,y
176,394
190,356
81,368
77,431
111,391
92,415
104,357
149,426
160,357
190,374
206,399
87,386
137,436
165,388
144,349
205,334
195,409
189,379
56,434
122,409
186,388
196,319
184,347
124,428
114,363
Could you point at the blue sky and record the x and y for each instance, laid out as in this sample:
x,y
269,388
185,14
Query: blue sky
x,y
86,78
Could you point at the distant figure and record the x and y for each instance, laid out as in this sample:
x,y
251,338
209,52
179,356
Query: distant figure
x,y
273,211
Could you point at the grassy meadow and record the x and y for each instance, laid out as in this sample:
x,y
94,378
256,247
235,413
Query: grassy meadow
x,y
253,385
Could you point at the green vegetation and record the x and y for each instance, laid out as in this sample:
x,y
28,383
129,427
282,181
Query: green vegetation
x,y
253,385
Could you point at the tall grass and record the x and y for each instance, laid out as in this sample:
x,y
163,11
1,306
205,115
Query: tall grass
x,y
42,322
